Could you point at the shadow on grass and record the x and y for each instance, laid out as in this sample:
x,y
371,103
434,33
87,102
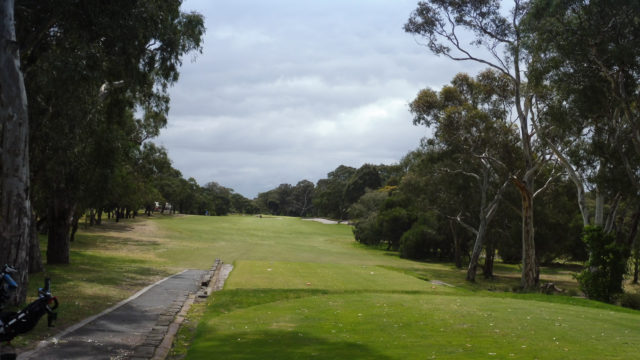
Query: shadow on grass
x,y
278,344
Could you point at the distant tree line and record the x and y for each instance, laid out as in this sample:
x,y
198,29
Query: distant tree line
x,y
330,197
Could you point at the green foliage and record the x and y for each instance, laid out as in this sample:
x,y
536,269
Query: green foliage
x,y
393,222
631,301
366,177
424,240
328,196
604,271
365,217
367,230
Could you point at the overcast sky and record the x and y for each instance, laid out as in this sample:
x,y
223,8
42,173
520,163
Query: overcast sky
x,y
287,90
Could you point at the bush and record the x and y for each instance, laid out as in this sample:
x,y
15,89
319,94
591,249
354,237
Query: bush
x,y
393,223
367,231
414,243
630,300
423,241
602,277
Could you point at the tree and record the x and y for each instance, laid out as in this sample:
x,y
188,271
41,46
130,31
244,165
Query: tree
x,y
366,177
328,197
302,197
470,123
15,207
591,121
90,65
440,22
590,78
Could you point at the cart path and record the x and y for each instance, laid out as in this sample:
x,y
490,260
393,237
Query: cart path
x,y
121,333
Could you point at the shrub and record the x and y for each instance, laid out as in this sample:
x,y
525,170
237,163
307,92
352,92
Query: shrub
x,y
413,243
393,223
604,271
421,241
367,231
630,300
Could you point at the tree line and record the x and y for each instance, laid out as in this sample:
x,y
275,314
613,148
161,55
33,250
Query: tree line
x,y
535,158
84,87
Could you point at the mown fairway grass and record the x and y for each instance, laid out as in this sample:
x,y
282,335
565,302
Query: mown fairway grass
x,y
302,290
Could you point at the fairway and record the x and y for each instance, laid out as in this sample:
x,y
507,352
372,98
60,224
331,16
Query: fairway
x,y
304,290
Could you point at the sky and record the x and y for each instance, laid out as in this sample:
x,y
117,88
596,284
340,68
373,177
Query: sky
x,y
287,90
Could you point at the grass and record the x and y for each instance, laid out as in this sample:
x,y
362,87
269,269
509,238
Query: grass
x,y
302,289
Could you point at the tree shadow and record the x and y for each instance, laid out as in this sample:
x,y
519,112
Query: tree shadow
x,y
278,344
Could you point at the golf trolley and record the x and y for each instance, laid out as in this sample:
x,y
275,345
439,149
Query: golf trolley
x,y
13,324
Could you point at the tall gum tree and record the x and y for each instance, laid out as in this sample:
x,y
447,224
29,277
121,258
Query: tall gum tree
x,y
470,123
15,207
89,63
497,43
591,119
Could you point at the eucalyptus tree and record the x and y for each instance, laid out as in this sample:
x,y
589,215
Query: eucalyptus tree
x,y
470,122
16,233
302,198
366,177
592,75
497,42
87,64
328,196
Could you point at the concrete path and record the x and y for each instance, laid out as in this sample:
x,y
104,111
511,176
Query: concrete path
x,y
130,330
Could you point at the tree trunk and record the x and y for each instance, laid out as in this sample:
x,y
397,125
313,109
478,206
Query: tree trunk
x,y
92,217
477,249
15,207
99,217
60,213
490,253
35,258
599,209
457,251
74,225
636,260
529,264
41,226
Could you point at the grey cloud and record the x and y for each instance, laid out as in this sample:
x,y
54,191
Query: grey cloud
x,y
288,90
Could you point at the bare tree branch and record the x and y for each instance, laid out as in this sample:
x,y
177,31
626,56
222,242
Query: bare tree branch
x,y
458,218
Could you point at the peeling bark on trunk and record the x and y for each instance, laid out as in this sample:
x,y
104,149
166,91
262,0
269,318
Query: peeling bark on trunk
x,y
529,264
599,209
15,207
477,249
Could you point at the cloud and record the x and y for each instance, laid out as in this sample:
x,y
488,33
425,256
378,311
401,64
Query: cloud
x,y
289,90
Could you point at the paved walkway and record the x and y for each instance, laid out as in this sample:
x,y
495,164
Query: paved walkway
x,y
129,331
